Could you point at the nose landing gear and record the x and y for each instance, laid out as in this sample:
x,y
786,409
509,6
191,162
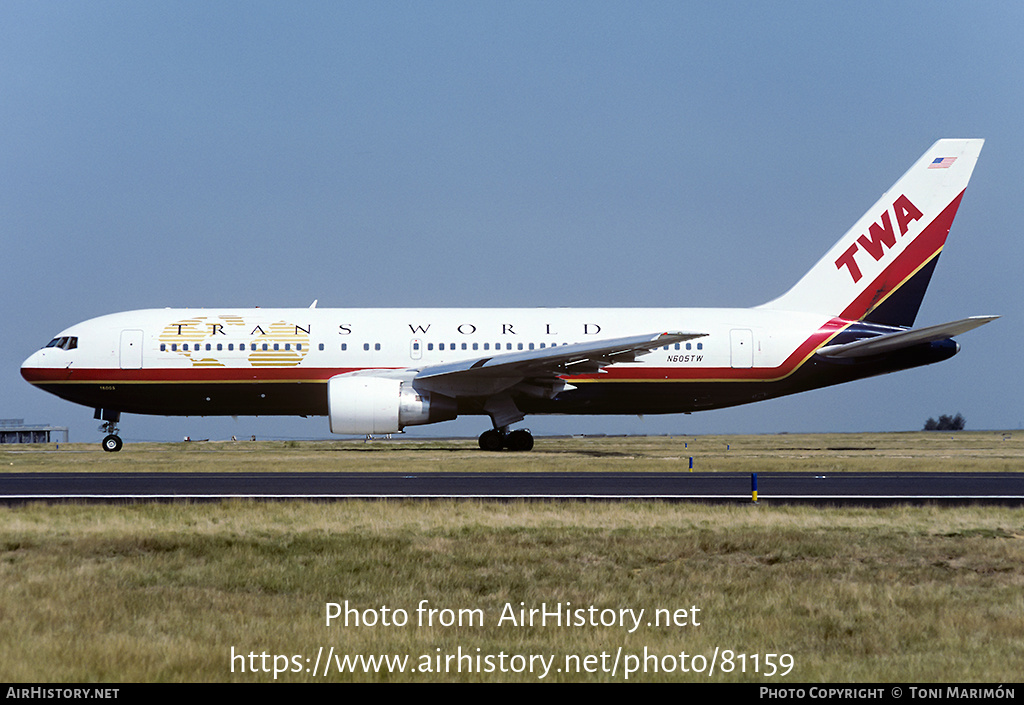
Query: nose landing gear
x,y
111,443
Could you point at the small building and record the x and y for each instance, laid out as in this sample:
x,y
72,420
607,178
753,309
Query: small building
x,y
15,431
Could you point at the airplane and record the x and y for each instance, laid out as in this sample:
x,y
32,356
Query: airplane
x,y
378,371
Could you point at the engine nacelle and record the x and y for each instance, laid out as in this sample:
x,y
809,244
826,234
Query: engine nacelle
x,y
369,405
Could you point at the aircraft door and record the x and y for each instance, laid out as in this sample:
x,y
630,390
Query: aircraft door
x,y
741,341
416,349
131,349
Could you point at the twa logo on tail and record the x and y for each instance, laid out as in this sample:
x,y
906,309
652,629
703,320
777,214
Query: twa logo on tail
x,y
880,237
886,258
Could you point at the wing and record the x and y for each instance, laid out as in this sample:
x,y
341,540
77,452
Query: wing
x,y
494,379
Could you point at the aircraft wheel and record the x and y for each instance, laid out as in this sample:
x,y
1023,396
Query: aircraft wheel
x,y
112,443
491,440
519,440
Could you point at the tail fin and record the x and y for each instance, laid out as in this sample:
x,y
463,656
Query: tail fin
x,y
879,270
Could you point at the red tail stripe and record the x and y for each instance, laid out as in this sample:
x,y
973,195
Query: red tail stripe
x,y
921,250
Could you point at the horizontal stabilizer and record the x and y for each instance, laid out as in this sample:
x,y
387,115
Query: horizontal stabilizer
x,y
904,338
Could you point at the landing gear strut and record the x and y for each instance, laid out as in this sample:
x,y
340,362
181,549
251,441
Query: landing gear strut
x,y
498,438
111,443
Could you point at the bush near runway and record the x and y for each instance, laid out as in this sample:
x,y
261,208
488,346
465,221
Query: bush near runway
x,y
974,451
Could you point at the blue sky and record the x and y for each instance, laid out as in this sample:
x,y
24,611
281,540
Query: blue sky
x,y
499,154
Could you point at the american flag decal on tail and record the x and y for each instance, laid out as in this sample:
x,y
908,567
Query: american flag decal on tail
x,y
942,163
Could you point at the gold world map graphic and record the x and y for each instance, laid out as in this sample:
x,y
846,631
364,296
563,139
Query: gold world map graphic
x,y
211,341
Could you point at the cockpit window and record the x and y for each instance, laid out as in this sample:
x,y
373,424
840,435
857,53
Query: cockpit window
x,y
67,342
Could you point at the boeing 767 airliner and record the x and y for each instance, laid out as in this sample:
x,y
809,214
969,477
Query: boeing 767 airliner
x,y
376,371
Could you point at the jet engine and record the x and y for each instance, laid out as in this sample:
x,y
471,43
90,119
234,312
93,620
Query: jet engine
x,y
368,405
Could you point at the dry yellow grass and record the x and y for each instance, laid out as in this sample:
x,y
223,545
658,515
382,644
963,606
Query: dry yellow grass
x,y
164,592
975,451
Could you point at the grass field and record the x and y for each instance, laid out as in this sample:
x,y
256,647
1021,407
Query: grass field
x,y
165,592
988,451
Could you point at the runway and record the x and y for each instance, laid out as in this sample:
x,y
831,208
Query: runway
x,y
849,489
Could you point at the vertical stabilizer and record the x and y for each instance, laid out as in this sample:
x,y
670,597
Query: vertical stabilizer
x,y
879,270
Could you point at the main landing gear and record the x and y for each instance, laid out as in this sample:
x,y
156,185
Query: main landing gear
x,y
498,438
111,443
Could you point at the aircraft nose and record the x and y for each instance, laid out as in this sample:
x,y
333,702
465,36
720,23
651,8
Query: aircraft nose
x,y
32,363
